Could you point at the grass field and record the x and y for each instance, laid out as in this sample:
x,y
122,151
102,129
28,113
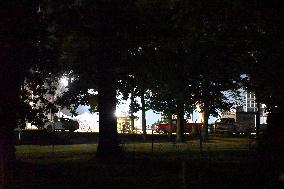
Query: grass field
x,y
223,163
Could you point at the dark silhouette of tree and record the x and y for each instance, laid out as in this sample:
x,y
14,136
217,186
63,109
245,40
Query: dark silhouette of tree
x,y
139,81
94,49
35,98
263,36
18,27
265,50
172,93
28,54
78,92
105,48
211,53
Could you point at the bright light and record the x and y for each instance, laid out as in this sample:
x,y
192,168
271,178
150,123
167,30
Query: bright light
x,y
92,91
64,81
118,113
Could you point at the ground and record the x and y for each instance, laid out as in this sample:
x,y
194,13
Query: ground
x,y
222,163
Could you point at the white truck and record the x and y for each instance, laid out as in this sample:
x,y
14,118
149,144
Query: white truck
x,y
62,124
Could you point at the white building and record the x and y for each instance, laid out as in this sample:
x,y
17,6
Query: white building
x,y
251,106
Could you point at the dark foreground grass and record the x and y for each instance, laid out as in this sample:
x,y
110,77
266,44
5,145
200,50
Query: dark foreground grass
x,y
228,163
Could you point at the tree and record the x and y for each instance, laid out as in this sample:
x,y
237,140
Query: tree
x,y
37,96
265,49
264,46
95,51
78,92
104,48
211,52
28,48
172,93
139,81
19,24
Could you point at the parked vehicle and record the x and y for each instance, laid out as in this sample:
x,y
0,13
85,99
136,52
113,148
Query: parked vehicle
x,y
62,124
225,125
165,128
230,126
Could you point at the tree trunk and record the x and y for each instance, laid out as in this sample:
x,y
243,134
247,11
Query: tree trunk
x,y
108,144
108,58
205,126
131,113
206,97
8,108
170,121
180,123
7,157
180,98
143,109
17,41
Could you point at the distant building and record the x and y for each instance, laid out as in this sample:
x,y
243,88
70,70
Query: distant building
x,y
123,123
250,106
245,115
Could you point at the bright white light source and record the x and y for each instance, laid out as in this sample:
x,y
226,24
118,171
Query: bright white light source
x,y
92,91
64,81
119,112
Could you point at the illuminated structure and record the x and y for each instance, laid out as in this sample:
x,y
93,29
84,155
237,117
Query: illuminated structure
x,y
123,123
250,106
